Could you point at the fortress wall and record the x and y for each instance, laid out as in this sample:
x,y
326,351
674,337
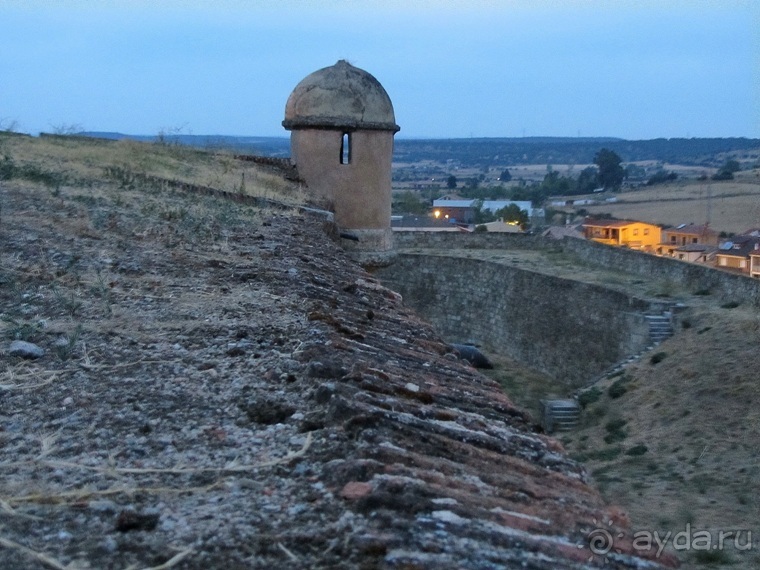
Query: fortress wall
x,y
571,330
472,240
725,285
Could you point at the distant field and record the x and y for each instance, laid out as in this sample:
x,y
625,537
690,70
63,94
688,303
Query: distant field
x,y
734,206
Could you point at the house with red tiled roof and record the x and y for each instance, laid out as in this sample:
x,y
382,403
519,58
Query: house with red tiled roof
x,y
561,232
689,242
689,233
623,233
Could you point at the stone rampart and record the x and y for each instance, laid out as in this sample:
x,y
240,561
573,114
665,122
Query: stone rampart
x,y
471,240
723,284
568,329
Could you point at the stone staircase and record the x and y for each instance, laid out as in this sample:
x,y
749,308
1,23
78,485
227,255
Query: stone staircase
x,y
660,322
559,415
660,326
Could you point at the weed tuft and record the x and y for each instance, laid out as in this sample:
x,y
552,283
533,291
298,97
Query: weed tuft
x,y
658,357
615,431
637,450
618,388
589,397
21,330
713,557
65,346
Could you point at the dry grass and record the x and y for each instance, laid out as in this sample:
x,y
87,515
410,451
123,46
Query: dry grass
x,y
85,162
51,562
734,205
48,443
695,409
525,386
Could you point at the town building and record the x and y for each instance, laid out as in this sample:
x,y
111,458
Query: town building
x,y
623,233
689,242
738,254
464,210
754,263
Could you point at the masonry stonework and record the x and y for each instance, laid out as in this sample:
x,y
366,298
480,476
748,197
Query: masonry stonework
x,y
342,126
568,329
722,284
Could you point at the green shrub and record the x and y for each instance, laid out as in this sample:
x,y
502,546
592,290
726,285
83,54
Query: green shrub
x,y
658,357
614,436
617,389
637,450
21,329
615,425
730,305
589,397
712,557
7,168
607,454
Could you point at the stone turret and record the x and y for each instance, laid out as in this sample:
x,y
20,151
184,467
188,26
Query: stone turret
x,y
342,126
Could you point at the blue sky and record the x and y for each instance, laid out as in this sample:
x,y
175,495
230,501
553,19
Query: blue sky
x,y
637,69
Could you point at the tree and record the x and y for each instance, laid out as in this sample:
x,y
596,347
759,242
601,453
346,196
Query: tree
x,y
661,176
409,203
505,176
512,214
588,180
726,171
451,182
555,185
611,172
481,216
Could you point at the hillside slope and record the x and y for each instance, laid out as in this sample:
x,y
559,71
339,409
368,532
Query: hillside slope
x,y
674,439
220,387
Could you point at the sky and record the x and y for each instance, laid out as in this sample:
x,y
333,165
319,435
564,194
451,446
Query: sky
x,y
635,69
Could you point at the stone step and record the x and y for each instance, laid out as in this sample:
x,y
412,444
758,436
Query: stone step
x,y
660,327
560,415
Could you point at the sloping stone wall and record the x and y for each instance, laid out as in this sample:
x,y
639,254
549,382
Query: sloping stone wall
x,y
724,285
448,240
568,329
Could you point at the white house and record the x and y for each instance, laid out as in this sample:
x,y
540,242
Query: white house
x,y
464,210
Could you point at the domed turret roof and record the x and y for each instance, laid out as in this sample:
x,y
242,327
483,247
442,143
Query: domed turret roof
x,y
340,96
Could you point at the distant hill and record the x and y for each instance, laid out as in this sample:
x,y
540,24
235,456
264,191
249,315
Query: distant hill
x,y
483,152
547,150
265,146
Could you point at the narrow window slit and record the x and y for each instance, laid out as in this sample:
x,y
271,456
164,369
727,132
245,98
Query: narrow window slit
x,y
345,149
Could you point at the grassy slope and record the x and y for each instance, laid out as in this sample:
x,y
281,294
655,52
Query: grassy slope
x,y
83,162
68,188
697,412
695,408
